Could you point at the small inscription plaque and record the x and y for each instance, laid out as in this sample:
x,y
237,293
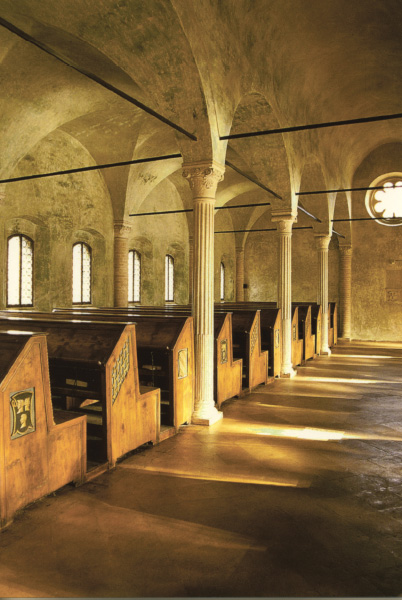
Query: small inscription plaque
x,y
182,366
22,413
224,352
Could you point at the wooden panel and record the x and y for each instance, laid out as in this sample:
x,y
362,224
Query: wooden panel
x,y
258,360
228,372
37,455
183,374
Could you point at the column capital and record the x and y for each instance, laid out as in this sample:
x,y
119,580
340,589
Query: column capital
x,y
203,177
346,249
322,240
121,228
284,220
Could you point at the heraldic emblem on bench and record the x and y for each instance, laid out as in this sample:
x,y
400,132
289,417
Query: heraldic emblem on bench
x,y
22,413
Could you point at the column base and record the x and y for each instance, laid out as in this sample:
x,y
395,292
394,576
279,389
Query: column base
x,y
207,420
289,374
326,352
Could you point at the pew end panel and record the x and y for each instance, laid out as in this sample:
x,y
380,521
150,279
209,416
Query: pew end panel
x,y
258,360
228,372
183,374
31,441
132,416
297,344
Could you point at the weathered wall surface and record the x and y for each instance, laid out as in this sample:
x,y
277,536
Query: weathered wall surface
x,y
376,252
56,212
225,252
154,237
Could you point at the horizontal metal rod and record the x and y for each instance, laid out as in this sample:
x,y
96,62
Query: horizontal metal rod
x,y
257,230
309,214
261,185
357,189
366,219
25,36
338,234
234,136
92,168
171,212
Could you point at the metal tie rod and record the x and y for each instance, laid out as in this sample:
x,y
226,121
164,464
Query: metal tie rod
x,y
357,189
367,219
171,212
258,230
28,38
137,161
234,136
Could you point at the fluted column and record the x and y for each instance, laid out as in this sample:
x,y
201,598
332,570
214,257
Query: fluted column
x,y
203,179
190,268
284,222
345,290
322,241
239,274
121,232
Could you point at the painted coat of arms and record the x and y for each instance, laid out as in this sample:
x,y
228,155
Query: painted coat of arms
x,y
22,413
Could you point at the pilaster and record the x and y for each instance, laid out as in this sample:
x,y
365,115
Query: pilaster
x,y
284,221
203,178
121,233
239,274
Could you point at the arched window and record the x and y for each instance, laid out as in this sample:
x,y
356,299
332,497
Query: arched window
x,y
19,271
134,276
222,281
169,278
386,202
81,273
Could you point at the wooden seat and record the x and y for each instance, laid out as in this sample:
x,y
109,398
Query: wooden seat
x,y
93,360
41,450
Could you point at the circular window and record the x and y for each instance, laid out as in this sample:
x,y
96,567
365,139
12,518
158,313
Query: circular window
x,y
385,203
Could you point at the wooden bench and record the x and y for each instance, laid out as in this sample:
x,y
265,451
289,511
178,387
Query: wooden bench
x,y
41,450
332,324
305,331
93,370
227,373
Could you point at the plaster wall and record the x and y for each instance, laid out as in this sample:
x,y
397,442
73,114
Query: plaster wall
x,y
156,236
224,251
376,251
56,212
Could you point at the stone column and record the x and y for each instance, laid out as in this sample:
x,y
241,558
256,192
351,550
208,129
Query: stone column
x,y
190,268
121,232
345,290
284,221
322,246
239,274
203,179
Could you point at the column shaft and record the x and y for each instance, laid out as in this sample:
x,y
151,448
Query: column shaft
x,y
203,179
345,289
284,223
322,245
190,269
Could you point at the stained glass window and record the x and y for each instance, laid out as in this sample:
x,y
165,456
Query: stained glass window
x,y
222,281
81,274
134,276
169,278
19,271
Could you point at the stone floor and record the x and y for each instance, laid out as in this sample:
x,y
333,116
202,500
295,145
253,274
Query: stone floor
x,y
296,492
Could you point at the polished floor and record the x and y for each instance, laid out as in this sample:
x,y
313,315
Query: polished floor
x,y
297,492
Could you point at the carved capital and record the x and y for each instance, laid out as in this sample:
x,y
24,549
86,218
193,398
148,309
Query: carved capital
x,y
345,250
284,220
203,178
121,229
322,241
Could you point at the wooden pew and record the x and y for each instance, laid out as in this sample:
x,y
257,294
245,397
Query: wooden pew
x,y
316,323
246,328
227,373
332,324
305,331
41,450
93,370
